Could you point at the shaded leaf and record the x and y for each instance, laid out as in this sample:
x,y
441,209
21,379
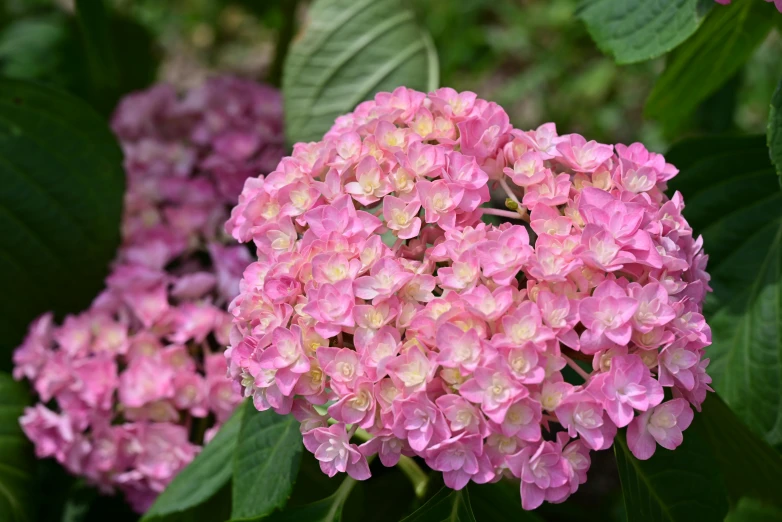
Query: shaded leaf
x,y
54,48
266,462
750,510
348,51
29,47
720,461
732,197
17,464
775,130
203,478
447,505
386,497
637,30
499,501
673,486
99,50
749,467
327,510
60,205
706,61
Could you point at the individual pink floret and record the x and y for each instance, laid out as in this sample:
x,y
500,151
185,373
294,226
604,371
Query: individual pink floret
x,y
662,425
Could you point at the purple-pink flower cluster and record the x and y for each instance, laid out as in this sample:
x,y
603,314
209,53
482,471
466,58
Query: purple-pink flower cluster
x,y
131,388
381,300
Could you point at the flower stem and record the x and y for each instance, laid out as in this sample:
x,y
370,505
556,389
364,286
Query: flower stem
x,y
418,478
576,368
522,212
499,212
341,495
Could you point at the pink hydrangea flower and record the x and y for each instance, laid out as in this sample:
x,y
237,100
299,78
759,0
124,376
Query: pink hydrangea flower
x,y
626,386
448,338
661,425
128,377
332,447
544,474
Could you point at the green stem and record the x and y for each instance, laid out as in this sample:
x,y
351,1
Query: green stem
x,y
418,478
341,495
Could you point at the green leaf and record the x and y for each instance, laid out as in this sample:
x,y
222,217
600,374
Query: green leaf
x,y
99,46
775,130
17,464
672,486
266,462
388,496
706,61
499,501
51,48
348,51
327,510
29,47
732,197
720,461
637,30
749,467
60,205
203,478
750,510
446,506
119,54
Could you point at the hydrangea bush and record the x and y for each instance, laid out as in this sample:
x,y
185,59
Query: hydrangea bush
x,y
382,301
131,388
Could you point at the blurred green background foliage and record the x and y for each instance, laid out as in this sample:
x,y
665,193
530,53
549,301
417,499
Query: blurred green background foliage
x,y
533,57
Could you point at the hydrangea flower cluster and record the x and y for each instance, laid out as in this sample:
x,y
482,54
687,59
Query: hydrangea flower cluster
x,y
777,3
131,388
382,301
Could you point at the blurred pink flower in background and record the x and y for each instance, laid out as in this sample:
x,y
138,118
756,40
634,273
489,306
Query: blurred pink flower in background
x,y
133,387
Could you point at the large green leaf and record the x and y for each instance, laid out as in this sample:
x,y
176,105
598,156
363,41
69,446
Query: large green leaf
x,y
266,461
79,53
673,486
637,30
203,478
446,506
749,467
60,205
17,464
499,501
775,130
703,63
388,496
327,510
99,49
732,197
348,51
720,462
749,510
